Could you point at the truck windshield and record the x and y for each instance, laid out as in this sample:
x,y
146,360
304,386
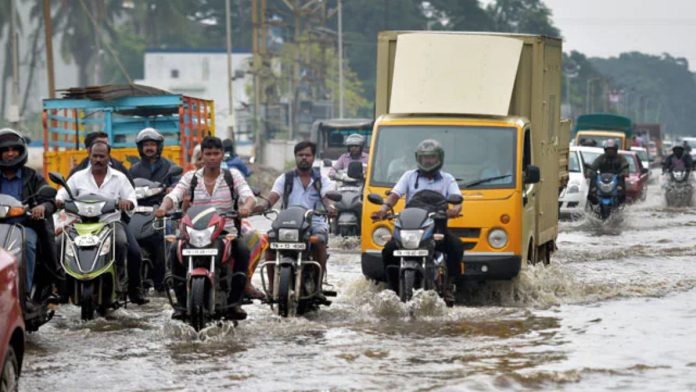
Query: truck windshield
x,y
478,157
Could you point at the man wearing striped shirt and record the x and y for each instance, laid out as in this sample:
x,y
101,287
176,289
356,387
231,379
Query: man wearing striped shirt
x,y
211,189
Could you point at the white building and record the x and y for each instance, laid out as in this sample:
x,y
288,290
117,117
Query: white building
x,y
202,73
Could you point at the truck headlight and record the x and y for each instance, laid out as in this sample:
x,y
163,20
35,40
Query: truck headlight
x,y
381,236
410,239
497,238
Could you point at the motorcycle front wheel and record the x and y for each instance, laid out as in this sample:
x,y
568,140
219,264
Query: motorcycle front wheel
x,y
285,299
86,301
408,280
197,310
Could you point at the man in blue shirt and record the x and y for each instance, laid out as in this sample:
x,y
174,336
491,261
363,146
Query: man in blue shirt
x,y
232,160
429,157
308,190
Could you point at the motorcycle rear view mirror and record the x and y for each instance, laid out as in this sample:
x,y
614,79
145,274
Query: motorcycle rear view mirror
x,y
375,199
355,170
58,179
256,191
455,199
334,196
327,163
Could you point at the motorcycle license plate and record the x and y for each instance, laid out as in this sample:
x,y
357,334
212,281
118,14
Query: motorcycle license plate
x,y
199,252
288,245
144,209
410,252
87,240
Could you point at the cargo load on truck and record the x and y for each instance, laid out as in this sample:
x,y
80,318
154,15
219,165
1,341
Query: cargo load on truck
x,y
121,111
485,98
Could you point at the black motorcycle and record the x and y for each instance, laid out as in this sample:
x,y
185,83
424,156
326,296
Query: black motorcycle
x,y
297,278
34,303
417,229
349,209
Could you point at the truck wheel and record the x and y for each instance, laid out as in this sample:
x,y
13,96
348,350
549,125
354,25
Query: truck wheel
x,y
10,371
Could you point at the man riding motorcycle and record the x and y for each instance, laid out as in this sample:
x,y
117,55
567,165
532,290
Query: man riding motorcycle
x,y
90,139
211,186
232,160
609,162
21,182
101,179
152,165
678,160
429,157
304,187
355,144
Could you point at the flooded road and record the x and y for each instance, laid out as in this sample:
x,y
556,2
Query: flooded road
x,y
616,309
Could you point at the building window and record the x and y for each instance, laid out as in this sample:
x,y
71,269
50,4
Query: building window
x,y
175,74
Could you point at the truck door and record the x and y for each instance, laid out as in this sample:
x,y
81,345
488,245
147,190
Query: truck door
x,y
528,196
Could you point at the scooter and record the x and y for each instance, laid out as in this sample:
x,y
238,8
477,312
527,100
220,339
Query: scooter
x,y
95,279
416,231
205,251
608,191
349,209
297,278
679,191
34,302
146,230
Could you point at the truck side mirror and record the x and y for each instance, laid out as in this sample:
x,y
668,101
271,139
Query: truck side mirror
x,y
375,199
532,175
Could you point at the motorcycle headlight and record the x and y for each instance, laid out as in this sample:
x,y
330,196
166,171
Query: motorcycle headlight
x,y
410,239
288,235
606,188
497,238
381,236
200,238
89,210
106,248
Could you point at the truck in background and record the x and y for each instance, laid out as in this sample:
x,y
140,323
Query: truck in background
x,y
596,128
493,102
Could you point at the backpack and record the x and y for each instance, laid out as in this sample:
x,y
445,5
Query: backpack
x,y
290,181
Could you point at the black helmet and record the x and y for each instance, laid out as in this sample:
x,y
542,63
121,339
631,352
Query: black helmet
x,y
11,138
228,148
149,134
430,147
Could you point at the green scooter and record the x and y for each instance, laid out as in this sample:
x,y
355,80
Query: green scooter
x,y
95,279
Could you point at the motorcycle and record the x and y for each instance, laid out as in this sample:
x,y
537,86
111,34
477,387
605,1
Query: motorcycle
x,y
206,252
679,190
35,302
349,209
95,280
416,231
146,230
608,192
297,278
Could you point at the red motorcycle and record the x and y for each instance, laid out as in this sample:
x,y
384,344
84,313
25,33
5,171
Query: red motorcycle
x,y
204,249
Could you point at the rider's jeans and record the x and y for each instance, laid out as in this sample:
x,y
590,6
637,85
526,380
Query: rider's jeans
x,y
31,239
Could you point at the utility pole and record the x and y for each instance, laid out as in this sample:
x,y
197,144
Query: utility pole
x,y
13,116
340,60
48,30
257,87
230,79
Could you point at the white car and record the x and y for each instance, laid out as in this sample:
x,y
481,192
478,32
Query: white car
x,y
573,198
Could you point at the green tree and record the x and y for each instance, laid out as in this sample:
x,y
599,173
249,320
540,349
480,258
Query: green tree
x,y
522,16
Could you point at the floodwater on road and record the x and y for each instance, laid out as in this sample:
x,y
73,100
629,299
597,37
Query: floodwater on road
x,y
615,309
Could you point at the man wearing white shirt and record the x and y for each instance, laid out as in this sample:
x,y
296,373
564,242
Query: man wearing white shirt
x,y
99,178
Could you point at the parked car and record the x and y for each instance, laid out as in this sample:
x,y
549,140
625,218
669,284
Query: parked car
x,y
573,198
645,159
11,323
637,180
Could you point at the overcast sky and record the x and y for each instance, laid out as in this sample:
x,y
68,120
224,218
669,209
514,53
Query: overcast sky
x,y
606,28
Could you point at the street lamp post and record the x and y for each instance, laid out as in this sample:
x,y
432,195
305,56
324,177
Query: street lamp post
x,y
230,80
340,60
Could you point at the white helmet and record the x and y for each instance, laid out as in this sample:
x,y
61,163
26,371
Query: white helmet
x,y
149,134
355,140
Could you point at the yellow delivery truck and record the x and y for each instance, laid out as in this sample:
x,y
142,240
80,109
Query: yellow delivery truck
x,y
493,102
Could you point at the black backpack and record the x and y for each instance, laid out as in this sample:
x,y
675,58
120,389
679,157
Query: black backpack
x,y
290,181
